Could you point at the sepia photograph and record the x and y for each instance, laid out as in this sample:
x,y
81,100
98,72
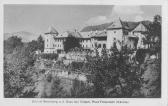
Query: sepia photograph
x,y
82,51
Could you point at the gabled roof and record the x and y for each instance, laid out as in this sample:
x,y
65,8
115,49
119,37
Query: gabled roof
x,y
127,25
116,24
69,33
102,34
51,30
75,34
96,27
140,28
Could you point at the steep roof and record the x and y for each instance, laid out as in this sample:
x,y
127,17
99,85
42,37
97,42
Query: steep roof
x,y
75,34
140,27
96,27
52,30
127,25
116,24
132,25
101,34
69,33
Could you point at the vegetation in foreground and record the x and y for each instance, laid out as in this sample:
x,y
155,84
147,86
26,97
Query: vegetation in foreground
x,y
112,76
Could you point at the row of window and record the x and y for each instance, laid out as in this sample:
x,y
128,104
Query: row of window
x,y
54,45
58,40
96,45
85,41
100,45
85,46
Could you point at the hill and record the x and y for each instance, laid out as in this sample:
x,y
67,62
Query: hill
x,y
26,36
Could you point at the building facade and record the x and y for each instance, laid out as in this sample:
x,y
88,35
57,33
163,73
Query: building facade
x,y
117,33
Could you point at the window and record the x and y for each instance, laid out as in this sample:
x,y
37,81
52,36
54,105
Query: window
x,y
104,45
95,44
99,46
47,40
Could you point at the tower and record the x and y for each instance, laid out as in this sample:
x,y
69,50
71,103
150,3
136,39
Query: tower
x,y
115,34
49,40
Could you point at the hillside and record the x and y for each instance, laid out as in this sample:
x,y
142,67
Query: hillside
x,y
26,36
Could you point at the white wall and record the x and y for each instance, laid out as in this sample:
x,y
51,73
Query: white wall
x,y
111,34
48,42
58,44
86,43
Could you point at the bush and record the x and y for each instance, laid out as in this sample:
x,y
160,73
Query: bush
x,y
77,65
50,56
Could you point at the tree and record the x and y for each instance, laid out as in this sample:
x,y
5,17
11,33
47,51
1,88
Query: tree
x,y
112,76
71,42
36,44
157,19
155,27
81,90
16,67
11,43
40,43
49,87
151,79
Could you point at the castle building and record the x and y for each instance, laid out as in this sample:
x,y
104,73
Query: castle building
x,y
118,33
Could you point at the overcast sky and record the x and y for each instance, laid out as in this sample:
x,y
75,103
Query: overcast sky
x,y
37,18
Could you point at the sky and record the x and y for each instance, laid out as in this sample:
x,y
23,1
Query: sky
x,y
37,18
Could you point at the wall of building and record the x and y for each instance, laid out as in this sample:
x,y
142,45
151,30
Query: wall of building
x,y
59,44
86,43
141,37
49,41
112,34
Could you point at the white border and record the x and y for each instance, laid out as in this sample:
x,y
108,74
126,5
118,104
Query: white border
x,y
132,101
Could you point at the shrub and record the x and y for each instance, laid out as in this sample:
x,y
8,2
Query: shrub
x,y
50,56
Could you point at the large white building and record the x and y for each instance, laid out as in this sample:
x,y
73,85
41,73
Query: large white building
x,y
100,36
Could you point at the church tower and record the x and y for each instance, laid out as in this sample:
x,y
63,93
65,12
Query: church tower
x,y
49,40
115,34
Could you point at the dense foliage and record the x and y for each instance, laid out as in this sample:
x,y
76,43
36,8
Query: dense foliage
x,y
50,56
18,65
71,42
